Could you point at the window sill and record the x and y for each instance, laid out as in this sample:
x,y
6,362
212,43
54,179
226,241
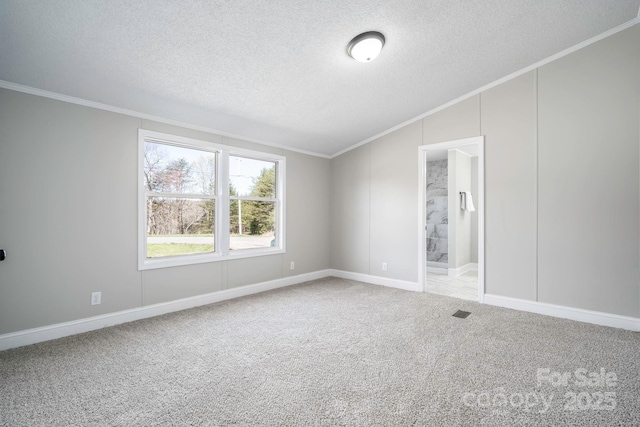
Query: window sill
x,y
183,260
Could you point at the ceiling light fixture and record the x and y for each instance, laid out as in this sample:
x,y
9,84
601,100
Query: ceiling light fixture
x,y
366,47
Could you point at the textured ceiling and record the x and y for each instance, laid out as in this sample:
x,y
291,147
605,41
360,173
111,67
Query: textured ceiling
x,y
277,71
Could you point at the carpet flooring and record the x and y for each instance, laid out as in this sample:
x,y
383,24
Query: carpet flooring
x,y
329,352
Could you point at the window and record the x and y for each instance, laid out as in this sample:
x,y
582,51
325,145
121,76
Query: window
x,y
252,214
203,202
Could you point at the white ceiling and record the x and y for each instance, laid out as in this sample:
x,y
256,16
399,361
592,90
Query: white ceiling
x,y
277,71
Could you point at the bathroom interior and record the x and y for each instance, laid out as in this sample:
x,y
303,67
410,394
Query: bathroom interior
x,y
452,222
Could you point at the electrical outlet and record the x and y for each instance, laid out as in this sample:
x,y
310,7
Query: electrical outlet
x,y
96,298
384,266
293,265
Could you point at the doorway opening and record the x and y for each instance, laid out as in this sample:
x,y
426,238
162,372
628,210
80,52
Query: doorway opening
x,y
451,224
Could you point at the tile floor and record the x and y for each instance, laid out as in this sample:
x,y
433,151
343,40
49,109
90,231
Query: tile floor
x,y
464,286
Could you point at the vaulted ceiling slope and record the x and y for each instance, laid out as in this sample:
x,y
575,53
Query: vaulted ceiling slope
x,y
277,71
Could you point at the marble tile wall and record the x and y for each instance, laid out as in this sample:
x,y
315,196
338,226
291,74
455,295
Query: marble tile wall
x,y
437,211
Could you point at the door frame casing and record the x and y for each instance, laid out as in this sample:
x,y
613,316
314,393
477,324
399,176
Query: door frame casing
x,y
422,220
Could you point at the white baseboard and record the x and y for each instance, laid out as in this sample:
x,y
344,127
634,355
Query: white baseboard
x,y
461,270
578,314
377,280
45,333
59,330
437,264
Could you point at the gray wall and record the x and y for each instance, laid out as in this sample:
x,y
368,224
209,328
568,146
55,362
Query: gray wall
x,y
588,181
459,180
350,210
509,125
474,214
393,196
561,180
69,216
375,207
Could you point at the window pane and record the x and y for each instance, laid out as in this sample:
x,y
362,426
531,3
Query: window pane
x,y
250,177
252,224
177,226
170,169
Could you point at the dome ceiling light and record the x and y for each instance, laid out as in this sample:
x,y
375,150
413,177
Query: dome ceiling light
x,y
366,47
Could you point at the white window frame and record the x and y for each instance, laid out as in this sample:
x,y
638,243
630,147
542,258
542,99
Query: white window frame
x,y
222,199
